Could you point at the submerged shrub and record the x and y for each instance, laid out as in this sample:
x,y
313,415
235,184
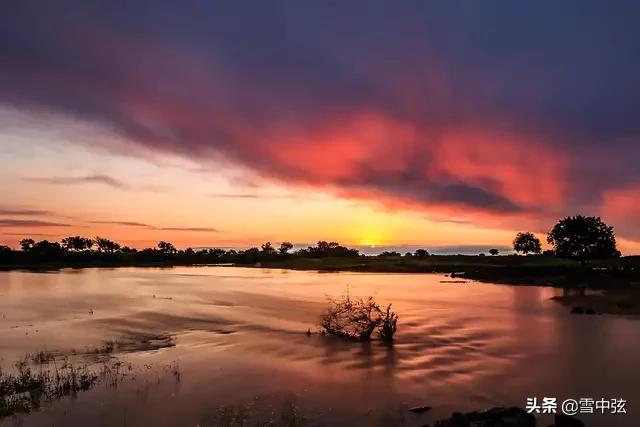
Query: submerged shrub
x,y
357,319
389,325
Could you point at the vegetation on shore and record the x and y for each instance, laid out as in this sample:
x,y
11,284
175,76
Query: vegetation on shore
x,y
622,301
37,379
584,254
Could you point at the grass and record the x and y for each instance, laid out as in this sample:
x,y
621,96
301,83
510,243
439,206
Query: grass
x,y
41,357
44,376
25,389
511,269
613,301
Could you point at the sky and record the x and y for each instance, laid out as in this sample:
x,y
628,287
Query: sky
x,y
370,123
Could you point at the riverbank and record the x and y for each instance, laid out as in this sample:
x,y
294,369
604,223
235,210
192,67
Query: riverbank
x,y
536,270
611,301
540,270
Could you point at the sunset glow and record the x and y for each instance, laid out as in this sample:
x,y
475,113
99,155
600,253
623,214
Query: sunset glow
x,y
212,135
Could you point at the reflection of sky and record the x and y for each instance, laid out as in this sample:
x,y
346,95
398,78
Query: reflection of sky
x,y
462,346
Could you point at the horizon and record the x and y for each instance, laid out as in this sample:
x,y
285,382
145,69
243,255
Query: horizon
x,y
319,213
219,125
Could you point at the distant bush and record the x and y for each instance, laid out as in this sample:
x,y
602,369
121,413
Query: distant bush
x,y
389,254
421,253
358,319
327,249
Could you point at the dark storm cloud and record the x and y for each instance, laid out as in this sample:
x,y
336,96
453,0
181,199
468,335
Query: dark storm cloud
x,y
538,98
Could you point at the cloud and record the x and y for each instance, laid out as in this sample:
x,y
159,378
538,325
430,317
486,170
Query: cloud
x,y
30,234
87,179
202,229
412,105
251,196
151,227
23,211
125,223
30,223
94,179
234,196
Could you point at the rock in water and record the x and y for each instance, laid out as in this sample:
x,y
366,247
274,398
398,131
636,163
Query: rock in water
x,y
420,409
494,417
562,420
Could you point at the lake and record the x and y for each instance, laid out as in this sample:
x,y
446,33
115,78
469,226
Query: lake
x,y
213,342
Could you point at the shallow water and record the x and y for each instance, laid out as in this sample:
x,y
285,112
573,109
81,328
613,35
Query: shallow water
x,y
240,342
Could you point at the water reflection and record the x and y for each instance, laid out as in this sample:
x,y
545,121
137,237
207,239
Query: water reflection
x,y
240,333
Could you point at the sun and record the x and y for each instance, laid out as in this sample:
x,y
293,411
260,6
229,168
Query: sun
x,y
371,236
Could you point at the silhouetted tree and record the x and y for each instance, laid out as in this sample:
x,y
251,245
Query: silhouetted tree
x,y
327,249
389,254
27,244
285,247
583,237
526,243
77,243
106,245
494,251
6,254
47,249
249,256
217,253
267,248
421,253
167,248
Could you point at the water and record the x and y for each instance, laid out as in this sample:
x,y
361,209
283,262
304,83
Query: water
x,y
240,342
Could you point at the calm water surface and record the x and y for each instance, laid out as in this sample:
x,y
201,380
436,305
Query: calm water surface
x,y
240,341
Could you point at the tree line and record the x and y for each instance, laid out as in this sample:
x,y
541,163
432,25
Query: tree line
x,y
576,237
84,249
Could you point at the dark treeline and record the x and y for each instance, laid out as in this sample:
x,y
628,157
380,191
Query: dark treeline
x,y
576,237
79,250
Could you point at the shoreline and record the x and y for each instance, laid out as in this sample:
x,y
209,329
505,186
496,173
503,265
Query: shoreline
x,y
621,302
511,270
